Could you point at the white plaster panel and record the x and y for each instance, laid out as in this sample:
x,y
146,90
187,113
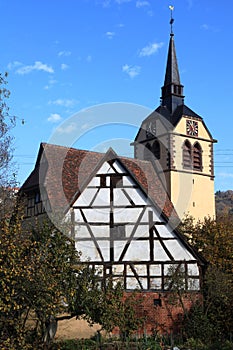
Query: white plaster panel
x,y
143,282
128,181
89,251
141,269
118,269
81,232
103,197
97,215
137,251
77,216
142,231
105,248
108,181
193,270
129,271
100,231
137,196
105,169
155,270
118,248
127,215
155,283
118,167
193,284
145,216
132,283
159,252
86,197
165,231
178,251
119,197
94,182
128,229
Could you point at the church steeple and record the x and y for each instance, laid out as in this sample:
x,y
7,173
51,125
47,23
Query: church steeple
x,y
172,90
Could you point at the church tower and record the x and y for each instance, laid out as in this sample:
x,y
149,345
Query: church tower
x,y
180,146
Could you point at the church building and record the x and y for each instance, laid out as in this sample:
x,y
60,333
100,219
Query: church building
x,y
124,211
177,141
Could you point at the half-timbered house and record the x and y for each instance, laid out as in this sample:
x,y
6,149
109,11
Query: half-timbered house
x,y
121,220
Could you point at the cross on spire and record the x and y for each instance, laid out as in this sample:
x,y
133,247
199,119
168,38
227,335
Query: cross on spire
x,y
172,19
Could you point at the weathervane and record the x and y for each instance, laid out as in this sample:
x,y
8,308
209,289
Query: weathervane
x,y
172,19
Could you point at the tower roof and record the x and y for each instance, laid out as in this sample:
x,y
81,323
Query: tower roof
x,y
172,75
172,90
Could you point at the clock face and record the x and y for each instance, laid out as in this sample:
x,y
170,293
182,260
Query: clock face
x,y
151,129
192,127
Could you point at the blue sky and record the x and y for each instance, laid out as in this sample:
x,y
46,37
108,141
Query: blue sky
x,y
64,56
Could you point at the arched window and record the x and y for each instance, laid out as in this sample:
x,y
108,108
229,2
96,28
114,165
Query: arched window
x,y
187,155
197,157
147,152
156,149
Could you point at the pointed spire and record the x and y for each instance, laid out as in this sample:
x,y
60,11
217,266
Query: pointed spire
x,y
172,90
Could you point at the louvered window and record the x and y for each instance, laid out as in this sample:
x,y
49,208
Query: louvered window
x,y
156,150
147,152
197,157
187,155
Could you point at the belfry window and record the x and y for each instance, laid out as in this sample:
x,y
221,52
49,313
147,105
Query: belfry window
x,y
156,150
197,157
147,152
187,155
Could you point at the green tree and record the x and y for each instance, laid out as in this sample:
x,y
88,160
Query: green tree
x,y
107,304
212,319
7,168
36,282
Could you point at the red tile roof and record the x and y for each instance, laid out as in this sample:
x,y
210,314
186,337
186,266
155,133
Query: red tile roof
x,y
65,171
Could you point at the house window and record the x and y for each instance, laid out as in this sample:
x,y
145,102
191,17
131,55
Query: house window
x,y
187,155
197,157
116,181
102,181
118,232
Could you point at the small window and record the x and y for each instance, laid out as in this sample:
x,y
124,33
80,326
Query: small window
x,y
37,197
118,231
116,181
103,181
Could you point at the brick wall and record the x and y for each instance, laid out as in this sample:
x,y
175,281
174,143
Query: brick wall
x,y
162,312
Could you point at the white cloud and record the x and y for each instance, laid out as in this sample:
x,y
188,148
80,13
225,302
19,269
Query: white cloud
x,y
64,66
64,53
150,49
122,1
132,71
50,84
140,3
14,64
54,118
63,102
225,175
110,35
205,26
68,129
89,58
39,66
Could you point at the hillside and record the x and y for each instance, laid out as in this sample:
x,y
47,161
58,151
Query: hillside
x,y
224,202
